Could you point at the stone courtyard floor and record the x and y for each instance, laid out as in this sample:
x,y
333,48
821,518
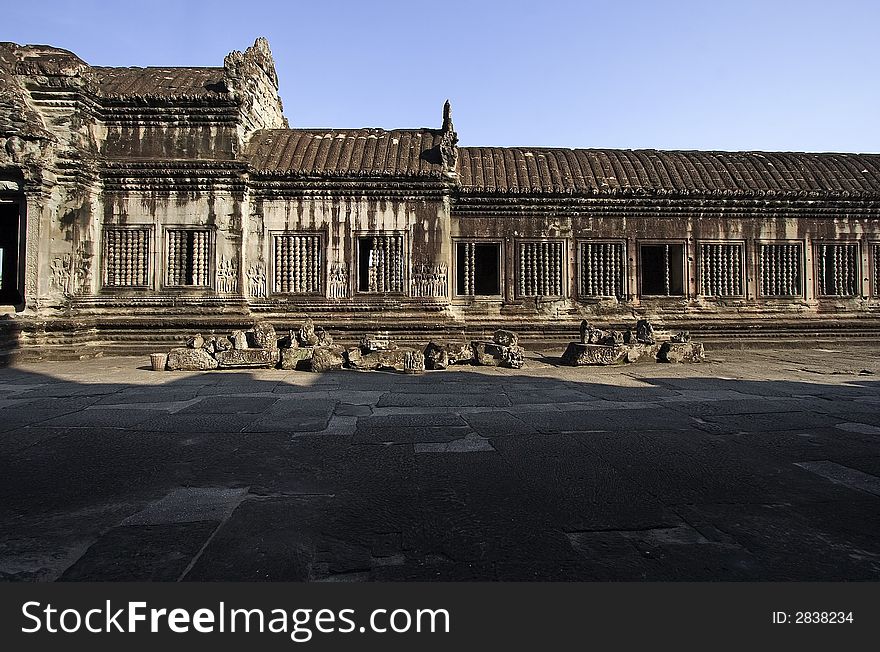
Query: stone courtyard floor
x,y
759,465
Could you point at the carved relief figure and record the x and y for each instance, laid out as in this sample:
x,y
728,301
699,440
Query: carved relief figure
x,y
72,272
430,280
338,280
257,279
227,276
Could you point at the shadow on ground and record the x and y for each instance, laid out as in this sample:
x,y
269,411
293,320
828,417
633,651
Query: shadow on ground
x,y
112,472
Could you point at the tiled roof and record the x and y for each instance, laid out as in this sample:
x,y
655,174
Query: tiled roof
x,y
335,153
159,82
513,170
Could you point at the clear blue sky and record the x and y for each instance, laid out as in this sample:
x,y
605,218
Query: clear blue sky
x,y
746,74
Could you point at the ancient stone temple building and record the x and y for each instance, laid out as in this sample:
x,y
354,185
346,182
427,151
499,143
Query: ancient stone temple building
x,y
140,203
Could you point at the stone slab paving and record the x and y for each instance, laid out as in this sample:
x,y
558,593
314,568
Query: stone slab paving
x,y
755,465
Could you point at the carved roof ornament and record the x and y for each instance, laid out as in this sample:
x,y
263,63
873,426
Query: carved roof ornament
x,y
448,141
238,64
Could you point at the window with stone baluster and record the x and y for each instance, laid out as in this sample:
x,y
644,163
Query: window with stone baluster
x,y
298,263
188,258
540,269
721,269
601,269
126,257
837,269
780,265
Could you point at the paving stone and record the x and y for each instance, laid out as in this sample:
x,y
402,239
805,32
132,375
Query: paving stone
x,y
230,405
188,505
397,399
150,553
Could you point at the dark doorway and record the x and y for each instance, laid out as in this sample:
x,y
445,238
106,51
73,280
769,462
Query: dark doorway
x,y
478,269
662,269
10,241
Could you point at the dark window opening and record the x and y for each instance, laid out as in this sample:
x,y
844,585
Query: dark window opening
x,y
9,245
838,269
478,269
662,269
380,263
188,257
876,262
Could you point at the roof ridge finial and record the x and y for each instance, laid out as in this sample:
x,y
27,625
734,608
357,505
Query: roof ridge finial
x,y
447,117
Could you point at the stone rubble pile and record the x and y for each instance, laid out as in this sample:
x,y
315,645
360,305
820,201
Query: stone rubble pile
x,y
311,348
601,347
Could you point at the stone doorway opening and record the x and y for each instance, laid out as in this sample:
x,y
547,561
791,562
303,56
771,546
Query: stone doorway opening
x,y
662,269
10,245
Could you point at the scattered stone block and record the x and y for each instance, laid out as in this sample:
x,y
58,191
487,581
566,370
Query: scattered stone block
x,y
288,341
487,353
306,334
357,359
324,337
436,356
239,340
636,352
299,358
414,362
327,358
681,352
222,344
186,359
644,332
264,335
377,342
394,358
459,352
681,337
505,338
579,354
195,342
514,357
248,358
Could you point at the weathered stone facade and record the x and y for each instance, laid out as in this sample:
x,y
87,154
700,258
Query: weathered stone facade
x,y
137,203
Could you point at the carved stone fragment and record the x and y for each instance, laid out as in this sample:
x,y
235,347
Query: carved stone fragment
x,y
195,342
436,356
514,357
264,335
377,342
327,358
644,332
357,359
488,353
459,352
299,358
395,358
414,362
505,338
248,358
186,359
239,340
306,334
579,354
681,352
